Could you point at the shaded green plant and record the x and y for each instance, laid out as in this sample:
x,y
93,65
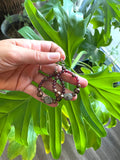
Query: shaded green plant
x,y
97,105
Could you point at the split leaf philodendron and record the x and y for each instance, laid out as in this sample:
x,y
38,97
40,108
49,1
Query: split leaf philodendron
x,y
96,105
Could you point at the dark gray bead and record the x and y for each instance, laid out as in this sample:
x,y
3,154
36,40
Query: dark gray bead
x,y
78,85
40,94
68,96
77,90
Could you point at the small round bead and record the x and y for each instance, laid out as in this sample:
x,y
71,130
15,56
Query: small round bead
x,y
58,98
40,94
62,71
58,92
42,98
39,89
63,68
62,95
56,72
55,90
74,94
56,78
53,87
45,78
62,82
77,90
54,101
50,75
78,85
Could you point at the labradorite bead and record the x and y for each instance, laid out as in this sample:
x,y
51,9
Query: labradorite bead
x,y
48,100
68,96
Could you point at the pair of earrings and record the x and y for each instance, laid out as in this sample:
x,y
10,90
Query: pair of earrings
x,y
58,94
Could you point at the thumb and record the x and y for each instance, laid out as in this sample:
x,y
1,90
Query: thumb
x,y
29,56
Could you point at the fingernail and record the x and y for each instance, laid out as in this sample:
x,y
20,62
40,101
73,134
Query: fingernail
x,y
53,56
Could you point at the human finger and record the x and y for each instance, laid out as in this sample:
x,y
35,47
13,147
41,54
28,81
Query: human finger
x,y
35,52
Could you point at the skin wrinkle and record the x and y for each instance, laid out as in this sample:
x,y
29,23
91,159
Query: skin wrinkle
x,y
26,75
17,85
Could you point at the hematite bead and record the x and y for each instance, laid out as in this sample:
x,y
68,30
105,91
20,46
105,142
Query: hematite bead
x,y
68,96
48,100
58,98
74,94
77,90
40,94
54,101
78,85
42,98
63,68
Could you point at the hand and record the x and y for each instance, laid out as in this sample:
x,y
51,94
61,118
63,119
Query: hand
x,y
20,61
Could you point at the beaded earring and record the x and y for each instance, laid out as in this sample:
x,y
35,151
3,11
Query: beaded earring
x,y
58,94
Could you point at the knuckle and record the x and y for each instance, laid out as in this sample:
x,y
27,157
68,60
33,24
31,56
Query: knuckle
x,y
37,56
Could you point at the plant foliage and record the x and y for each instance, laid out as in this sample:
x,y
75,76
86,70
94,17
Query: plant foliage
x,y
97,105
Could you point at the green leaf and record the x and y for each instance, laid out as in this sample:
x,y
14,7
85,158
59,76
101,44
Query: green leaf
x,y
106,11
101,87
28,33
55,125
39,22
77,125
92,44
112,123
4,130
15,149
17,109
101,112
71,26
89,114
76,60
46,142
93,140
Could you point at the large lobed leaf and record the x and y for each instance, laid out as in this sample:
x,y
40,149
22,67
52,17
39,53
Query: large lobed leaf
x,y
71,26
17,109
86,124
101,87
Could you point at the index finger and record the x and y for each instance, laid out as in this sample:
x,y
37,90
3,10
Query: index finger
x,y
39,45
